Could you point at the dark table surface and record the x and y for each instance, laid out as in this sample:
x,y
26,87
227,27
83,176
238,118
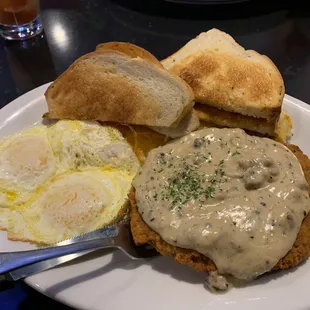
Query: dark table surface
x,y
75,27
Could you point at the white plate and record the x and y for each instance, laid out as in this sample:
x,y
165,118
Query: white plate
x,y
112,282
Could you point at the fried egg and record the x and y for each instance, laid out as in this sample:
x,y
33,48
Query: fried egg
x,y
71,204
42,166
80,145
26,161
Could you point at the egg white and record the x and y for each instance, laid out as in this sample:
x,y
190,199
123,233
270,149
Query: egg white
x,y
80,145
70,204
26,162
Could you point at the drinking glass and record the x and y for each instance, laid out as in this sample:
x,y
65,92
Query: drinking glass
x,y
19,19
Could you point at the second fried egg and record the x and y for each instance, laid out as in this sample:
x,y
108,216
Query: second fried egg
x,y
70,204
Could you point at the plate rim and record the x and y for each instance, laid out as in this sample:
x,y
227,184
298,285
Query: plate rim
x,y
26,100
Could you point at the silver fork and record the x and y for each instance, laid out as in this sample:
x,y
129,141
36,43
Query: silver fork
x,y
114,236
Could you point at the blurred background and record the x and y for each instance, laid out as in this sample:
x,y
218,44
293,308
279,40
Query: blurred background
x,y
72,28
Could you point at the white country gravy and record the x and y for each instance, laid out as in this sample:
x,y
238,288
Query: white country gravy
x,y
238,199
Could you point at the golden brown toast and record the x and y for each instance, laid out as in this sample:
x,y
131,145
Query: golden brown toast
x,y
107,85
212,117
221,118
224,75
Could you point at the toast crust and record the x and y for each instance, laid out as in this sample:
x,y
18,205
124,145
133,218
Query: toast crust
x,y
131,50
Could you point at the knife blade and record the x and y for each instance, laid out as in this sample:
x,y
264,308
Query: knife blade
x,y
32,269
26,271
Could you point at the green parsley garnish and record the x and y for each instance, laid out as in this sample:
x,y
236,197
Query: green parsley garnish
x,y
235,153
209,192
189,184
184,186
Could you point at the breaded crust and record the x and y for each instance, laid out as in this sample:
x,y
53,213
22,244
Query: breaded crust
x,y
142,234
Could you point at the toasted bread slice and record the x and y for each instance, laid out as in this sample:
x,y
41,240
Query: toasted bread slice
x,y
133,51
143,234
189,123
220,118
211,117
110,86
224,75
